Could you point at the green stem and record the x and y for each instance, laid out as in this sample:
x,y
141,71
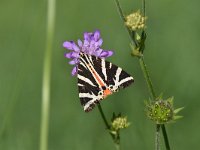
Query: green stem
x,y
117,146
47,76
116,141
131,33
144,8
142,64
147,77
165,137
153,95
157,140
103,117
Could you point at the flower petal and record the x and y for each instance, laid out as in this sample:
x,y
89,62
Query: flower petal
x,y
72,55
74,61
75,55
68,55
96,35
99,42
110,53
80,43
68,45
98,52
92,42
86,36
105,54
74,71
86,43
75,47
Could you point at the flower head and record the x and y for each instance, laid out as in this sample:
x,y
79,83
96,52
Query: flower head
x,y
118,123
135,21
162,111
90,45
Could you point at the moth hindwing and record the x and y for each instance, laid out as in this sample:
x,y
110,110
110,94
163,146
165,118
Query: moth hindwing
x,y
97,79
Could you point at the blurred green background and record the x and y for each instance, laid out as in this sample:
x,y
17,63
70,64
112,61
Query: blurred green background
x,y
172,55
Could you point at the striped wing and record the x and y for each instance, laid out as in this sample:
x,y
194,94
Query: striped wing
x,y
97,79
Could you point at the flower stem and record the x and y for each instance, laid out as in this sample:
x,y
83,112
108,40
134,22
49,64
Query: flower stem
x,y
144,7
165,137
147,77
117,146
157,140
152,92
103,117
116,141
131,33
47,76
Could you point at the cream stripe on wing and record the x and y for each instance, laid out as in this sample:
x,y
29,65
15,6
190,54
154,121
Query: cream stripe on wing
x,y
110,65
118,72
81,63
93,97
103,65
90,59
125,80
80,84
87,95
85,79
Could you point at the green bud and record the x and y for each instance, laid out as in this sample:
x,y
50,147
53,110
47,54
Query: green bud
x,y
118,122
162,111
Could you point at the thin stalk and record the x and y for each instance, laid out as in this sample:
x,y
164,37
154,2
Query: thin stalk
x,y
131,34
157,140
144,8
147,77
117,146
47,76
153,95
103,117
165,137
116,141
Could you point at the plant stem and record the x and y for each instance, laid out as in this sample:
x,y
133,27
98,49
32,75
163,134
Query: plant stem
x,y
153,95
131,33
103,117
147,77
157,140
143,65
47,76
165,137
117,146
116,141
144,8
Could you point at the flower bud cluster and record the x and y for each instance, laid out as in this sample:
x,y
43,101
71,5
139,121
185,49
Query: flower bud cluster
x,y
118,122
135,21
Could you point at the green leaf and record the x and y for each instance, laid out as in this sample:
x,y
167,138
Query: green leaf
x,y
177,117
178,110
170,100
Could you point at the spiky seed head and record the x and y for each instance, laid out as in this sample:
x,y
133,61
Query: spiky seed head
x,y
160,111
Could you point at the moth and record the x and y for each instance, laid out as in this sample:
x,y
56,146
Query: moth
x,y
98,78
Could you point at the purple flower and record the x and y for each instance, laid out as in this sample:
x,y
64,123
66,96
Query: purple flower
x,y
90,45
